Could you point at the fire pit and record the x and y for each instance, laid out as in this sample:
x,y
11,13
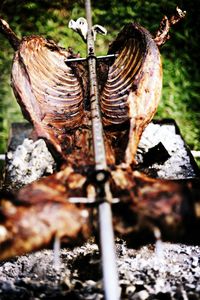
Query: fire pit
x,y
160,271
162,153
170,271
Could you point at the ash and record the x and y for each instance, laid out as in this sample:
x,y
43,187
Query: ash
x,y
178,165
28,162
172,272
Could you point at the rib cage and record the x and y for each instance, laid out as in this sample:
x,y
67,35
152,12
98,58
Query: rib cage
x,y
50,94
133,87
120,79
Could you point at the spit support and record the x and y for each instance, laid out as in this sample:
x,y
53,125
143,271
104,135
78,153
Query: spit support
x,y
101,175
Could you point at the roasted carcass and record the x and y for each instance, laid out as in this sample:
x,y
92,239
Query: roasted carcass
x,y
53,93
41,211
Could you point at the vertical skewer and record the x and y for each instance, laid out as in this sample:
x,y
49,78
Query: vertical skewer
x,y
56,253
110,274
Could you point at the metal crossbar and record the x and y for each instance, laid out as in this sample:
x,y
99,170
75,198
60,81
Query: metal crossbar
x,y
84,59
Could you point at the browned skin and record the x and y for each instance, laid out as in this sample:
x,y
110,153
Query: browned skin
x,y
48,91
53,94
148,203
41,211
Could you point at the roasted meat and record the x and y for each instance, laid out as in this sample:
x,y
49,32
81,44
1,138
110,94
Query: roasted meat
x,y
48,91
132,90
52,92
41,210
148,204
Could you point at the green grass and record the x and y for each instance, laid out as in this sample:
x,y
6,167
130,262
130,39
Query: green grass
x,y
177,98
181,56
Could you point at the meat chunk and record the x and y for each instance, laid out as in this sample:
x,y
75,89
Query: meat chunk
x,y
42,210
39,212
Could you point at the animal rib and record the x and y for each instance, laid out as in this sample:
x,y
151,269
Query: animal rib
x,y
133,86
49,92
120,78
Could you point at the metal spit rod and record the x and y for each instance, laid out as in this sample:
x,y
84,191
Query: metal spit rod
x,y
110,273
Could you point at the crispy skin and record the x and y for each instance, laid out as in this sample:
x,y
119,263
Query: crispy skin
x,y
32,227
149,203
41,210
53,96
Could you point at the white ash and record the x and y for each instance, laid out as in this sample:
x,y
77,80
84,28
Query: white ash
x,y
178,166
143,274
29,162
170,273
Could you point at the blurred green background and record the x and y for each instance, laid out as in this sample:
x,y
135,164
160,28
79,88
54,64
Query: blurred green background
x,y
181,55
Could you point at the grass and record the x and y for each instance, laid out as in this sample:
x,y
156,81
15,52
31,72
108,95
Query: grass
x,y
181,84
